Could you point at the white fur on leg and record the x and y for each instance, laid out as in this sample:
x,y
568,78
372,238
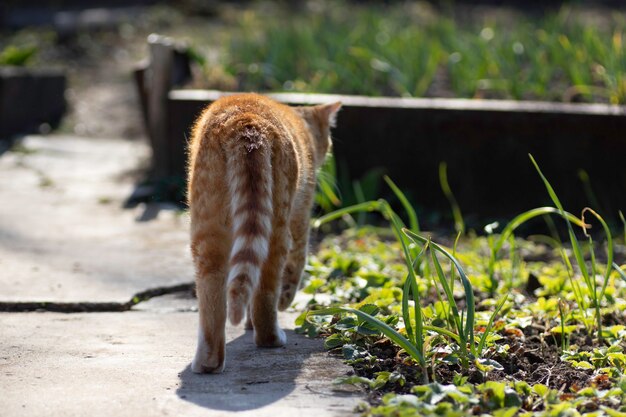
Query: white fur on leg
x,y
281,339
202,363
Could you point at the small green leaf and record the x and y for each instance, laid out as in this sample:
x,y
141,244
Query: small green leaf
x,y
587,392
353,380
522,387
541,390
506,412
582,365
486,365
381,379
334,341
367,330
370,309
613,413
350,351
345,323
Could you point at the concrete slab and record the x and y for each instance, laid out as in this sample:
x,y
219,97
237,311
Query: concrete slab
x,y
64,238
63,234
137,364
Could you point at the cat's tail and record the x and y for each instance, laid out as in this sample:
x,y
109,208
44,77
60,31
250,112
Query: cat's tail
x,y
250,181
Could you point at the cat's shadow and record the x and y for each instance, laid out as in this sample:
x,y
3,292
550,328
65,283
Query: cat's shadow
x,y
253,378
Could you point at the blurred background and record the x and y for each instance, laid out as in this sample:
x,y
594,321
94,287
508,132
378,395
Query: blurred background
x,y
555,51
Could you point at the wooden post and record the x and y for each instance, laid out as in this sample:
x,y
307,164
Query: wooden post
x,y
168,67
158,84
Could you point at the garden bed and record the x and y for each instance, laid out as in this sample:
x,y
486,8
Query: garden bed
x,y
539,351
31,100
485,144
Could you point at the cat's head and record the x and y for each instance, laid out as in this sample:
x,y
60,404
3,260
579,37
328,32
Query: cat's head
x,y
320,119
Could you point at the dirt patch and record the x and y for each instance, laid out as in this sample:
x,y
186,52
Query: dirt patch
x,y
532,358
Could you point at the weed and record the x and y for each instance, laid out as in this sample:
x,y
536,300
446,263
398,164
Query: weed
x,y
440,328
17,55
402,50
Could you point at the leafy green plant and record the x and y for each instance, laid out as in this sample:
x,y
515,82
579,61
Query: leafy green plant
x,y
588,274
412,349
17,55
401,50
413,343
495,245
410,211
454,330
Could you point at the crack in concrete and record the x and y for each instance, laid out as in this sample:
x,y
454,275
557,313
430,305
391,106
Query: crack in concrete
x,y
91,307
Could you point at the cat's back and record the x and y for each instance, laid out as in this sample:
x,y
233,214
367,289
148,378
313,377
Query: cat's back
x,y
226,118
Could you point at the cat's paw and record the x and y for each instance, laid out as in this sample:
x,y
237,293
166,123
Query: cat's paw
x,y
287,294
208,360
275,338
200,366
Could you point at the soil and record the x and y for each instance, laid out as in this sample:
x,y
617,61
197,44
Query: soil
x,y
533,357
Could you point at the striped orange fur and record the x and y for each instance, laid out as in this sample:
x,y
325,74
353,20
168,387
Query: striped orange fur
x,y
252,164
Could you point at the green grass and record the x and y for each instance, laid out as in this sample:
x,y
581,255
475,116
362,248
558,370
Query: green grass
x,y
405,49
403,294
17,56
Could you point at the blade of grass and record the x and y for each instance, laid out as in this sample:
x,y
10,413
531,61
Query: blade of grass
x,y
459,223
452,273
468,328
449,296
337,214
591,196
410,211
483,338
398,227
563,335
578,292
528,215
444,332
575,245
446,307
408,288
620,271
609,244
360,198
591,284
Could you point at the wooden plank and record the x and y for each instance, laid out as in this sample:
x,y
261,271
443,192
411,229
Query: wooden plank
x,y
29,98
418,103
485,144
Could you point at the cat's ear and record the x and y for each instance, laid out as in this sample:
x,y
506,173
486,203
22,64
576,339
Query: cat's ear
x,y
329,112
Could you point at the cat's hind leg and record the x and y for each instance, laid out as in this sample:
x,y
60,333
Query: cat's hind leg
x,y
292,272
211,238
267,332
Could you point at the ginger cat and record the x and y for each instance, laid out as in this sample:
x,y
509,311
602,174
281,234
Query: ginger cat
x,y
252,167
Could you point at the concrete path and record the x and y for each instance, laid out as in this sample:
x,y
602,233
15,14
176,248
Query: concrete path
x,y
63,235
64,238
